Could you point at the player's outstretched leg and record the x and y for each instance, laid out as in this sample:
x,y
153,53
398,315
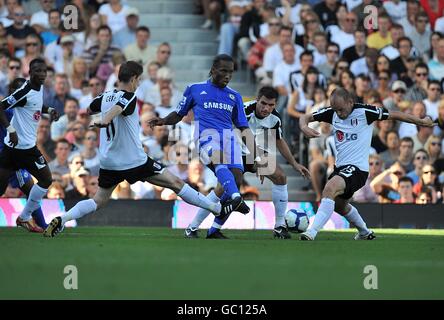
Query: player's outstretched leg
x,y
192,230
24,181
334,187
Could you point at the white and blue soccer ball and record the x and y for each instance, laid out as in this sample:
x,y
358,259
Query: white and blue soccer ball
x,y
297,220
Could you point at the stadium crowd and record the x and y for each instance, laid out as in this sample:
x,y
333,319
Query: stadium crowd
x,y
304,49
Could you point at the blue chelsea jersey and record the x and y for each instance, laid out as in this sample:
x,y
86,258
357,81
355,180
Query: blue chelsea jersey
x,y
214,108
9,113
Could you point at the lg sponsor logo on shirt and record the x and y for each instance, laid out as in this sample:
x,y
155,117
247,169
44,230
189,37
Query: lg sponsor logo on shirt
x,y
341,136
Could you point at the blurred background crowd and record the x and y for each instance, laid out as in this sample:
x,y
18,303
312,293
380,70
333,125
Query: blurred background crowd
x,y
305,49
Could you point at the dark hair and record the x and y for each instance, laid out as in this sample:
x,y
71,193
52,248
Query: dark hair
x,y
15,84
285,28
407,139
406,179
404,39
128,70
423,151
396,26
15,59
5,53
71,99
306,53
63,140
421,14
143,28
267,92
334,44
104,27
310,69
36,61
422,65
434,82
53,10
222,57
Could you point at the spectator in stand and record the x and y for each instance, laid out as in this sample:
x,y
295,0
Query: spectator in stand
x,y
434,10
439,129
429,178
418,92
306,62
180,160
436,66
408,129
96,88
433,99
78,76
367,64
76,135
391,155
431,54
392,51
113,14
61,90
99,55
13,72
212,10
424,197
421,137
420,35
80,183
406,154
311,26
163,54
281,74
386,183
33,50
399,89
408,22
146,132
319,48
356,51
384,84
405,190
44,142
7,19
362,86
53,32
164,80
59,128
92,186
379,142
344,35
399,64
397,9
4,58
230,28
92,31
366,193
200,178
90,152
383,64
148,82
56,191
273,54
382,37
346,80
420,159
165,107
332,55
60,163
84,118
250,23
160,137
433,147
140,50
127,35
112,82
17,32
326,11
40,19
256,53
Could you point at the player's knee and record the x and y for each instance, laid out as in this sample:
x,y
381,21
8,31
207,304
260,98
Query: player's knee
x,y
329,192
45,182
280,178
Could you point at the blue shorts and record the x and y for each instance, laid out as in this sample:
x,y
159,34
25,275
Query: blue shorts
x,y
231,150
19,178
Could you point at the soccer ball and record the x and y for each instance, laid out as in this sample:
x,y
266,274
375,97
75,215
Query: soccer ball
x,y
297,221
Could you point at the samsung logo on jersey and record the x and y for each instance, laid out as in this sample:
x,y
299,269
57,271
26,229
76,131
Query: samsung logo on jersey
x,y
218,105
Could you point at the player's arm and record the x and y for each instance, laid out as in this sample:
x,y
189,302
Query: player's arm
x,y
52,113
8,102
405,117
109,116
171,119
283,148
322,115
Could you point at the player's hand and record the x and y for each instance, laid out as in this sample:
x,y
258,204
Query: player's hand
x,y
309,132
303,171
54,115
427,122
156,122
13,139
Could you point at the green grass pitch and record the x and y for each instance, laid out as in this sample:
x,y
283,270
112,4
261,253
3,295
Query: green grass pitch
x,y
158,263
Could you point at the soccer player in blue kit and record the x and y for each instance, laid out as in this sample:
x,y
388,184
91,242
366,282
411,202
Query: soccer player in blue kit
x,y
216,108
22,178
